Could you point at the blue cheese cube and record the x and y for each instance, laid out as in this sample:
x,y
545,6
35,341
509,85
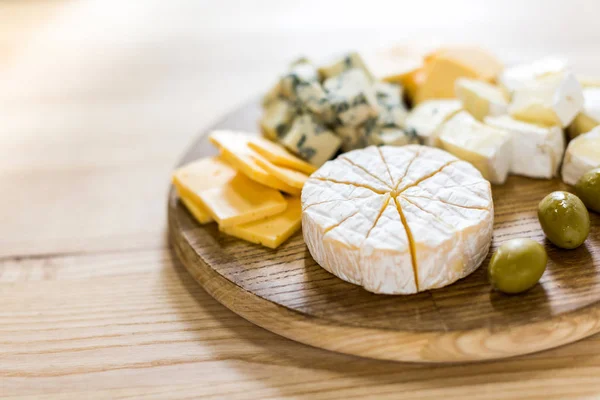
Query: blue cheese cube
x,y
341,64
311,140
301,73
392,112
375,134
352,97
352,138
277,118
272,94
311,97
392,137
388,94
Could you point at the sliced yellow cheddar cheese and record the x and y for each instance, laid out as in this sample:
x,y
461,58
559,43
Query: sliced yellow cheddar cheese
x,y
486,66
191,179
278,155
270,231
439,78
446,65
196,209
235,150
241,200
291,177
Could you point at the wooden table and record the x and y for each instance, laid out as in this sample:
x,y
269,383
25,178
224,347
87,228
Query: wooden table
x,y
98,100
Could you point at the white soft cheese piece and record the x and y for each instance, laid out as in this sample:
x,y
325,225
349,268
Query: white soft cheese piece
x,y
583,154
415,218
517,77
589,117
537,151
553,99
481,98
425,119
486,147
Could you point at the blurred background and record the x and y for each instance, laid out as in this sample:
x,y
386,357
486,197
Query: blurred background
x,y
99,98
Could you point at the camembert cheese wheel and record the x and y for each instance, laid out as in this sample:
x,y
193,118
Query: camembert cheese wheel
x,y
398,220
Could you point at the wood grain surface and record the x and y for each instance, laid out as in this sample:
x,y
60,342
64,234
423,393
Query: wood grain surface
x,y
98,101
287,292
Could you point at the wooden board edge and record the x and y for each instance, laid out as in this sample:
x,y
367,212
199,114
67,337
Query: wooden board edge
x,y
428,347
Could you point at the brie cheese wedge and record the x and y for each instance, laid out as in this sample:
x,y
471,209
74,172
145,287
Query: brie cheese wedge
x,y
398,220
583,154
537,150
486,147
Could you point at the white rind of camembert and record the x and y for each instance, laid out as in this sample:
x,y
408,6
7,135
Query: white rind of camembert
x,y
398,220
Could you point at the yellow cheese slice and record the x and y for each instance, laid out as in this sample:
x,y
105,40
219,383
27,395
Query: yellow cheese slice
x,y
235,150
444,66
278,155
439,78
241,200
196,209
293,178
270,231
486,66
193,178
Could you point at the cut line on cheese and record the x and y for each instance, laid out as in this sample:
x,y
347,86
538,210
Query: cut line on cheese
x,y
407,196
387,167
428,176
383,207
349,184
411,243
410,163
325,202
428,212
332,227
364,169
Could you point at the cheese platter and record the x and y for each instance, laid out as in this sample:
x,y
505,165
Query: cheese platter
x,y
430,235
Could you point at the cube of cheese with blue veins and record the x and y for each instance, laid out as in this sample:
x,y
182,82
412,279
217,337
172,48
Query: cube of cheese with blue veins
x,y
388,94
352,97
272,94
311,140
277,118
301,73
352,138
344,63
311,97
376,134
382,136
392,112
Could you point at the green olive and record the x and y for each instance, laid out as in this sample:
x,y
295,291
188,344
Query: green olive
x,y
517,265
564,219
588,189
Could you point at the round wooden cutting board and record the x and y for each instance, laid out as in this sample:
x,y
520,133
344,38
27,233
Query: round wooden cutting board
x,y
286,292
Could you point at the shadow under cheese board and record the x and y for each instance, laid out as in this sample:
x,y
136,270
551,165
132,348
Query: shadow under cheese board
x,y
287,292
